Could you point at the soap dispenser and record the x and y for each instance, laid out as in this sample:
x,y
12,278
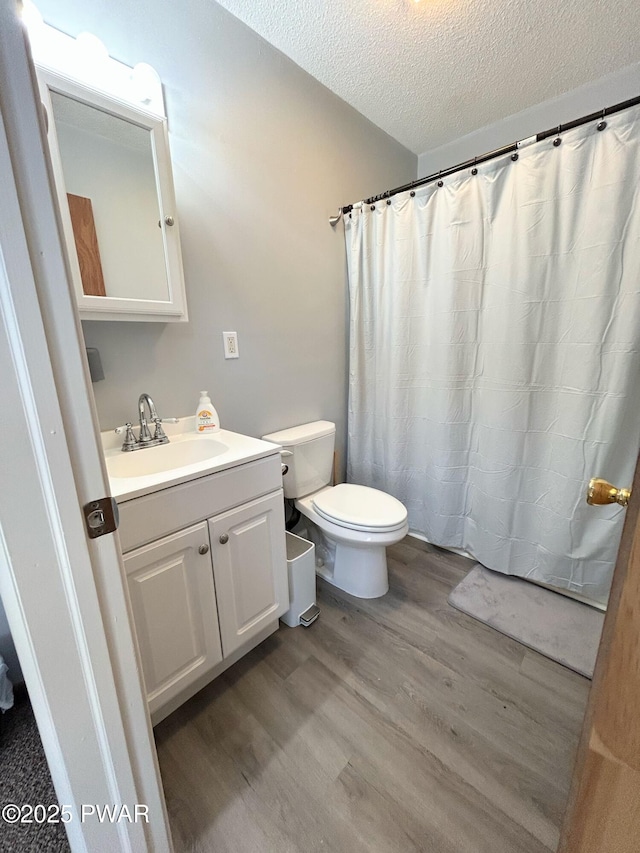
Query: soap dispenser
x,y
206,415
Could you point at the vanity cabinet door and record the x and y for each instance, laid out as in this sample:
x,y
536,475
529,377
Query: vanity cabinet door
x,y
173,599
250,568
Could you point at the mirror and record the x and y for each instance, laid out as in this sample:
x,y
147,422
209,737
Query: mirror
x,y
110,181
113,178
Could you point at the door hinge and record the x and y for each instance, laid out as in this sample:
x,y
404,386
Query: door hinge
x,y
101,517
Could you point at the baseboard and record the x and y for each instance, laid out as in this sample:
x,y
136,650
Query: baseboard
x,y
415,535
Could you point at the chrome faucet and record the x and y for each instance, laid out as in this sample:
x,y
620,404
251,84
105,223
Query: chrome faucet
x,y
145,439
145,436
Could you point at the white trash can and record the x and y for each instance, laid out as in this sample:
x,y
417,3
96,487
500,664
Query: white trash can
x,y
301,568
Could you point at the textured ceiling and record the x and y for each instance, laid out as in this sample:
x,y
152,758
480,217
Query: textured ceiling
x,y
431,71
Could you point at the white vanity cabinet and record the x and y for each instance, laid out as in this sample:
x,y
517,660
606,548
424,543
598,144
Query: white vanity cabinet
x,y
206,570
173,601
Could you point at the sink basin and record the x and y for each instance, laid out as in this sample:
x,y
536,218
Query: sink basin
x,y
179,453
186,457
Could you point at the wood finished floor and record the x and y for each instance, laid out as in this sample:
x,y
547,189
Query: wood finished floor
x,y
392,725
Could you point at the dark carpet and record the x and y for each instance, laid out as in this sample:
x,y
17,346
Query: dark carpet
x,y
25,778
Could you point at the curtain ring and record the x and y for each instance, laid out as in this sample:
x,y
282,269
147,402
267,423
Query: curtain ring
x,y
602,123
557,140
440,182
474,171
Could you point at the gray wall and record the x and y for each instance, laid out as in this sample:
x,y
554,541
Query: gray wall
x,y
605,92
262,154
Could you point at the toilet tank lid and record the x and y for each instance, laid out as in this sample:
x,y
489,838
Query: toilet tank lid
x,y
300,434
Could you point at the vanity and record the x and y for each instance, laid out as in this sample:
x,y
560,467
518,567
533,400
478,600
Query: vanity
x,y
203,536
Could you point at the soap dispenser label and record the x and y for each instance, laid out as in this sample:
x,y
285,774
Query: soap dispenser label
x,y
205,419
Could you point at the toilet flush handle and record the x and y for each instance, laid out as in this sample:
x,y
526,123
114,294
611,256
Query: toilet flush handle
x,y
284,454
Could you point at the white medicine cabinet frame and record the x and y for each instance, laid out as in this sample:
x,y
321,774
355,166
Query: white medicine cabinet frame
x,y
169,305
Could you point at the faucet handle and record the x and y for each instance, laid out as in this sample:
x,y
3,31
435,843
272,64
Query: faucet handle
x,y
160,435
129,439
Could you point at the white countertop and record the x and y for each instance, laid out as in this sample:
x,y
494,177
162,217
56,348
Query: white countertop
x,y
237,449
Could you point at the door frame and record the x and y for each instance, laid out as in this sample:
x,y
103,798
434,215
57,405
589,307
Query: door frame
x,y
64,594
603,809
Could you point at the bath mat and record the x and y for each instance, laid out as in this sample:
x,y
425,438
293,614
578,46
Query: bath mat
x,y
556,626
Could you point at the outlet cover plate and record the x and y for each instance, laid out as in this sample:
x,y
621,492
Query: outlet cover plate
x,y
230,340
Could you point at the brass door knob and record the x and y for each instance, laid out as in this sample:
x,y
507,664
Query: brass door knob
x,y
600,493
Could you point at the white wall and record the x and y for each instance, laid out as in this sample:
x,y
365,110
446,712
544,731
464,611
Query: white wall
x,y
605,92
262,155
121,183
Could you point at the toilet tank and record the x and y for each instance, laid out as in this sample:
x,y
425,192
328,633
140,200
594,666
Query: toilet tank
x,y
311,447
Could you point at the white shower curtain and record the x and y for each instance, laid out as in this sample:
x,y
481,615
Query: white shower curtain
x,y
494,353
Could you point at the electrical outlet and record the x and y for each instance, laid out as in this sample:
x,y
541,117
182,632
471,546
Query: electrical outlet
x,y
230,340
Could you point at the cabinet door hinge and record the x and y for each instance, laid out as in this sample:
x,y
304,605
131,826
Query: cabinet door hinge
x,y
101,517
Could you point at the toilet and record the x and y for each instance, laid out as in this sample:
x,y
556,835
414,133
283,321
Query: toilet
x,y
353,525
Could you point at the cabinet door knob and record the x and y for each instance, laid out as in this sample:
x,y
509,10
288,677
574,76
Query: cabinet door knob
x,y
224,538
203,549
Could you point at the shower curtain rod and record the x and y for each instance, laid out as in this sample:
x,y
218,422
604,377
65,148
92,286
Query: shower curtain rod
x,y
498,152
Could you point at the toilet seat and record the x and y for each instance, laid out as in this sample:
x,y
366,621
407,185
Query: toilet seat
x,y
360,508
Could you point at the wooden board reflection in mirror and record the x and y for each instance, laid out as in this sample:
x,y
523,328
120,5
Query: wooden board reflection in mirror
x,y
86,239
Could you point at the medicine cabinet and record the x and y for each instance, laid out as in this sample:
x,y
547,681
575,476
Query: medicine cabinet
x,y
113,178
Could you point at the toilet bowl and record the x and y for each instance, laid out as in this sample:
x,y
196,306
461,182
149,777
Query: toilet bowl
x,y
353,547
351,525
